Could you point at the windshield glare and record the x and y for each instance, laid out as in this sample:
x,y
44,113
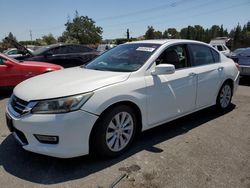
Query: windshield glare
x,y
123,58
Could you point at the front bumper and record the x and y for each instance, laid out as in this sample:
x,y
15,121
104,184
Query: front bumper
x,y
73,130
244,70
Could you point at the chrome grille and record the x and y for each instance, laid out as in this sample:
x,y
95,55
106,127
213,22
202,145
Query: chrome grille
x,y
18,105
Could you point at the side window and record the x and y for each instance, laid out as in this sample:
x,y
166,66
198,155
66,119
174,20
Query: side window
x,y
216,55
12,52
219,47
61,50
224,47
201,55
2,61
175,55
85,49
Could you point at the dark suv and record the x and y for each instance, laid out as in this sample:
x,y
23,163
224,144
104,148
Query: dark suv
x,y
66,55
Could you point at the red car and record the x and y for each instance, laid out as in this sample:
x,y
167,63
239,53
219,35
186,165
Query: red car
x,y
12,71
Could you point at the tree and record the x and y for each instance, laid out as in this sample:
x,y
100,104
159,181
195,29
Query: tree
x,y
165,34
157,35
49,39
83,30
237,35
150,33
173,33
5,43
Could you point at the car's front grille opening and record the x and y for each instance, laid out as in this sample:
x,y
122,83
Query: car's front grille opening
x,y
21,136
18,105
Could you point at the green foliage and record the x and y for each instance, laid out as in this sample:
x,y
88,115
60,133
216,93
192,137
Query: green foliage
x,y
5,44
152,34
240,35
81,30
49,39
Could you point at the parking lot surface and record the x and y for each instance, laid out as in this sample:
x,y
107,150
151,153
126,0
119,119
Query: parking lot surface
x,y
205,149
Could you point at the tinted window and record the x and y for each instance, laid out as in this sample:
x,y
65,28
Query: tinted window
x,y
61,50
216,55
175,55
80,49
201,55
2,61
219,47
13,52
85,49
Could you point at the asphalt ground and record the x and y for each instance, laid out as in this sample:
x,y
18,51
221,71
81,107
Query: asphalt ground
x,y
205,149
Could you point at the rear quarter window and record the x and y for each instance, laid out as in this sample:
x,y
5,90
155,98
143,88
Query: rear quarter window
x,y
202,55
216,55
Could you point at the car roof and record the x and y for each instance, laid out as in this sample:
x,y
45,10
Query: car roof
x,y
62,44
164,41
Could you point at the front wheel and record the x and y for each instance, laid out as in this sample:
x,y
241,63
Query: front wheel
x,y
224,96
115,131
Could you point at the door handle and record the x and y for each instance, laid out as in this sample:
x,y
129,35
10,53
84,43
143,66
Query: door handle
x,y
220,68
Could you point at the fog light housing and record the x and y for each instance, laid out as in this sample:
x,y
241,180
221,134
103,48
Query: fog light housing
x,y
47,139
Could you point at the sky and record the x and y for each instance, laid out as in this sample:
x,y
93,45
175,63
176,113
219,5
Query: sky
x,y
22,17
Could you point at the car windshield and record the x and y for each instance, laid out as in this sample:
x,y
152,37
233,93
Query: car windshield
x,y
124,58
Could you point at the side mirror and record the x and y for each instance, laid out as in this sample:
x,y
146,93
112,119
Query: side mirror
x,y
163,69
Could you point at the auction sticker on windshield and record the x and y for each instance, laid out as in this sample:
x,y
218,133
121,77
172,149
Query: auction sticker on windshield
x,y
145,49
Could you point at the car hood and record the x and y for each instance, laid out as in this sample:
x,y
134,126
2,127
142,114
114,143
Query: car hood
x,y
40,64
66,82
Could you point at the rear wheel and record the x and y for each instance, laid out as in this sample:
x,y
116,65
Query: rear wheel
x,y
114,131
224,96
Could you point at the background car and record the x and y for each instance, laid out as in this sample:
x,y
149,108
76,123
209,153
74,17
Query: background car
x,y
220,44
66,55
14,52
222,48
12,71
242,57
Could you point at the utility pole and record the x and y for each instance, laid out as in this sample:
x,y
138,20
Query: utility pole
x,y
31,35
128,34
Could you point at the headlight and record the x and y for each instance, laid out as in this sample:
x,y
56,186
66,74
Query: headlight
x,y
61,105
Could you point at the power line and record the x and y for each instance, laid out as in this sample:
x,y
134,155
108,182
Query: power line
x,y
164,6
150,18
180,17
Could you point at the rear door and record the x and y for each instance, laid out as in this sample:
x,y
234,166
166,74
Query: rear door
x,y
206,64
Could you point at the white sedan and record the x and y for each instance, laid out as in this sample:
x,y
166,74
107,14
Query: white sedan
x,y
133,87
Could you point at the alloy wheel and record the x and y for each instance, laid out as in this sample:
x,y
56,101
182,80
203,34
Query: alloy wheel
x,y
225,96
119,131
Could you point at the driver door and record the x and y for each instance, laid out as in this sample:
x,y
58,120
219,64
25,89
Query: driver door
x,y
171,95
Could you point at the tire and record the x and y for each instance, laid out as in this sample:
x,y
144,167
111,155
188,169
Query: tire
x,y
224,97
114,132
